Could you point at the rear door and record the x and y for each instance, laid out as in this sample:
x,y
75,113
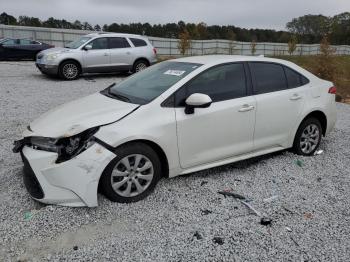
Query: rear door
x,y
26,49
224,129
97,59
122,56
279,103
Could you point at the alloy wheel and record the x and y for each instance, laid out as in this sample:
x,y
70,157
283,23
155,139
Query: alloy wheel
x,y
70,71
309,138
132,175
140,66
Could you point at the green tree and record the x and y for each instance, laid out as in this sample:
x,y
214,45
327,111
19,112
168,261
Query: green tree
x,y
7,19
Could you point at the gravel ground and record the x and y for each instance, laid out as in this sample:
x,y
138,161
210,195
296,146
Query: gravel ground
x,y
184,219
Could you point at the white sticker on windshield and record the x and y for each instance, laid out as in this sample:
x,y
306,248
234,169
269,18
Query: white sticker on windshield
x,y
174,72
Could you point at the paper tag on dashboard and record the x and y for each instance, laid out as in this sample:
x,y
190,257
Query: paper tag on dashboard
x,y
174,72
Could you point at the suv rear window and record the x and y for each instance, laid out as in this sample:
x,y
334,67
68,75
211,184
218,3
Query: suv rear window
x,y
118,42
268,77
138,42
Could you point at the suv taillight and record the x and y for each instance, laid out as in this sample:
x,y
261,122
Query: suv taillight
x,y
154,51
332,90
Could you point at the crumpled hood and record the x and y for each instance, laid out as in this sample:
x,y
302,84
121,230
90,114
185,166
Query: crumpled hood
x,y
77,116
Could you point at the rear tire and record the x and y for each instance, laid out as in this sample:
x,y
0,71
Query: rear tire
x,y
132,175
69,70
140,65
308,137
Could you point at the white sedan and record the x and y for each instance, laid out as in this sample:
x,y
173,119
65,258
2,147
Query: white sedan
x,y
174,118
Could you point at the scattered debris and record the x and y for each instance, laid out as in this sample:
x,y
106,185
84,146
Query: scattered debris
x,y
218,240
318,152
227,193
263,219
319,179
197,235
298,162
256,212
204,183
288,229
28,216
270,199
75,248
89,79
206,212
308,215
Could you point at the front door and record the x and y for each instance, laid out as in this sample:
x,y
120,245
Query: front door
x,y
223,130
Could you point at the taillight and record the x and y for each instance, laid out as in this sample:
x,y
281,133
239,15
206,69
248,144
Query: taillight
x,y
332,90
154,51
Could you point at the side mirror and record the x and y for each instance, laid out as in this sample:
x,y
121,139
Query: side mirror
x,y
197,100
87,47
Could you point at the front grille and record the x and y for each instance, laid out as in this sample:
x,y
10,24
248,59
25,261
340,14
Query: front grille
x,y
30,181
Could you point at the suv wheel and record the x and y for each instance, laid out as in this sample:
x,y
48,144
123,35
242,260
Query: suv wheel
x,y
69,70
132,175
140,65
308,137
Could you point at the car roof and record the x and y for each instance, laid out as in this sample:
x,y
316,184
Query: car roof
x,y
115,35
219,59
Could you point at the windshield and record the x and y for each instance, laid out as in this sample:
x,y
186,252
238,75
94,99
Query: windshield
x,y
75,44
148,84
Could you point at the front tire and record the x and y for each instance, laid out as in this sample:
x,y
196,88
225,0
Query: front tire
x,y
132,175
308,137
69,70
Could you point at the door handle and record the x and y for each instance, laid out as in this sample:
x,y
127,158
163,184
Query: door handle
x,y
128,53
105,54
246,108
295,97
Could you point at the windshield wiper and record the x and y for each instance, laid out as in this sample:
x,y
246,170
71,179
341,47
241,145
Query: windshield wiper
x,y
118,96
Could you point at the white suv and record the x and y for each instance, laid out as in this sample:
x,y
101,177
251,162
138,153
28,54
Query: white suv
x,y
174,118
98,53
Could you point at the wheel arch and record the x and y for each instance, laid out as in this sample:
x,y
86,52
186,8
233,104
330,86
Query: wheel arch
x,y
320,116
141,58
159,151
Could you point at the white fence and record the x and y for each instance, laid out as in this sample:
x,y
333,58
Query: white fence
x,y
169,47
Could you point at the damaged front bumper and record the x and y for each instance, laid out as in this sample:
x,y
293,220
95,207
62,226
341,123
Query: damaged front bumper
x,y
70,183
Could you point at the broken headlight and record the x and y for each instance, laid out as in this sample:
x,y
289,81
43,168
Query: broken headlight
x,y
69,147
65,147
44,143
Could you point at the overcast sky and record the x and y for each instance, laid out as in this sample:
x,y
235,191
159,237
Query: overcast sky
x,y
272,14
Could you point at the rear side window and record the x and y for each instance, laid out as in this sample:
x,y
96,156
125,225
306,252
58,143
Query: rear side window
x,y
138,42
25,42
294,79
221,83
267,77
118,42
99,43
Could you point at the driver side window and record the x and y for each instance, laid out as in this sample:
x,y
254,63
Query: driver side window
x,y
223,82
99,43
